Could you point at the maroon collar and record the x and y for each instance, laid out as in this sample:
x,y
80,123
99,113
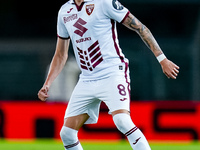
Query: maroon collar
x,y
79,7
72,1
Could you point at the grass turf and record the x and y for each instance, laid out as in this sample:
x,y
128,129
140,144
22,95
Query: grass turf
x,y
57,145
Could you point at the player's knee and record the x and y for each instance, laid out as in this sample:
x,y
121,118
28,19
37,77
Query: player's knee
x,y
68,135
123,122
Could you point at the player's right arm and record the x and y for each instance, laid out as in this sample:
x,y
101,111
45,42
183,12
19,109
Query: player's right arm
x,y
56,66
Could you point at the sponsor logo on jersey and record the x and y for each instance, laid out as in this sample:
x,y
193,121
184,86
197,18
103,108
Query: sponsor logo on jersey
x,y
83,40
80,28
117,5
70,18
91,57
89,9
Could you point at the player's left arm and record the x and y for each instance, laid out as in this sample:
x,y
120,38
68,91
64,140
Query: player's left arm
x,y
170,69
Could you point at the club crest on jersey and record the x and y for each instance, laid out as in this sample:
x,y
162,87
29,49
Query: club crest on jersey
x,y
89,9
117,5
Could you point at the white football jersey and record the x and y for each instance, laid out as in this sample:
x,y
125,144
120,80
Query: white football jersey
x,y
92,30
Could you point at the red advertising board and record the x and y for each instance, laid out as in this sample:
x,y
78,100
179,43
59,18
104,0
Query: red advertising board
x,y
169,120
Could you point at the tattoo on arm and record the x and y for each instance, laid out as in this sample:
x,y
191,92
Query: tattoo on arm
x,y
134,24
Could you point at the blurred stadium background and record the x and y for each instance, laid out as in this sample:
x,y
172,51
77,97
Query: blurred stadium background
x,y
166,110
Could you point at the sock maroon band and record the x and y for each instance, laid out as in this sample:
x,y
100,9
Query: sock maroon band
x,y
131,131
72,145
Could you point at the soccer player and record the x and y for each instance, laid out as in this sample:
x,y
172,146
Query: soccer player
x,y
91,26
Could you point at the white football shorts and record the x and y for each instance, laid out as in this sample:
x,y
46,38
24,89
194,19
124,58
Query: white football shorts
x,y
87,96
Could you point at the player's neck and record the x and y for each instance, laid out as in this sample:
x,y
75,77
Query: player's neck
x,y
78,2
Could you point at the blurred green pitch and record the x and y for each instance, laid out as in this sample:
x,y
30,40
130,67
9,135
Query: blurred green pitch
x,y
121,145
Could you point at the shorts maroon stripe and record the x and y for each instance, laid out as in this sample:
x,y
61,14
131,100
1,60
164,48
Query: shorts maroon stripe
x,y
70,146
131,131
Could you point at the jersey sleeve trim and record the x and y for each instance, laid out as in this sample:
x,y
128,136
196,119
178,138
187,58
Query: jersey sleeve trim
x,y
63,38
125,17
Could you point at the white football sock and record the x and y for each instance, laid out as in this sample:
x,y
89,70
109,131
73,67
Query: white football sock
x,y
135,137
70,139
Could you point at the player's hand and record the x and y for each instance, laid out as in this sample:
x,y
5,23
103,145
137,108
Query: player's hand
x,y
170,69
43,93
